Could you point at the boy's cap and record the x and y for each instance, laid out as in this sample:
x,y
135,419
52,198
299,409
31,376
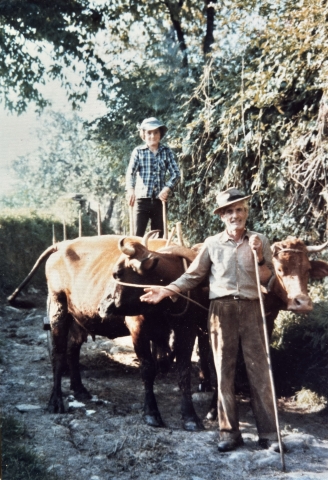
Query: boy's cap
x,y
151,124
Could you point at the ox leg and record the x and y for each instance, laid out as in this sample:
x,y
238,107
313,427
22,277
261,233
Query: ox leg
x,y
184,342
60,324
148,373
162,354
77,336
142,349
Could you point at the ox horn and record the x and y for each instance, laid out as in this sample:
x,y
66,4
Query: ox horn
x,y
316,248
127,250
147,236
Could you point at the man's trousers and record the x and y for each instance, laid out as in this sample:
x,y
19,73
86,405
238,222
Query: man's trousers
x,y
231,321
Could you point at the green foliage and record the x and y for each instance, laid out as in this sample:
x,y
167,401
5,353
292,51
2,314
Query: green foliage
x,y
24,235
18,461
39,40
42,40
300,344
258,120
251,114
67,163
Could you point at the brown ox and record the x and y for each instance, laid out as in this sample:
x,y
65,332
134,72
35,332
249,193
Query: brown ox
x,y
289,290
138,267
77,272
293,270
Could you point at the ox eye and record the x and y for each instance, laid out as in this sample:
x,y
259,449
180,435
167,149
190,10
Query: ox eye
x,y
118,274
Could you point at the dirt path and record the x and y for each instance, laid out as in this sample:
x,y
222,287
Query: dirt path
x,y
106,439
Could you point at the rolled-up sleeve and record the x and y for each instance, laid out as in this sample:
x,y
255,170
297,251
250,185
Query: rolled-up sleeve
x,y
173,169
196,272
130,179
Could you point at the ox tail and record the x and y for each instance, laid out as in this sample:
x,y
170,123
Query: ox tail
x,y
42,258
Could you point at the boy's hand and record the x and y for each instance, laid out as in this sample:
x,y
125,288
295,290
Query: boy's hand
x,y
131,197
163,195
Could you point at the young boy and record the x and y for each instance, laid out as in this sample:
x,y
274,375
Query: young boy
x,y
145,177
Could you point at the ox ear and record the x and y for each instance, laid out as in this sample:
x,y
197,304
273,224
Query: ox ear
x,y
319,269
149,263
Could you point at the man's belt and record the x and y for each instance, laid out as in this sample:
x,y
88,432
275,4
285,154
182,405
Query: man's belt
x,y
234,297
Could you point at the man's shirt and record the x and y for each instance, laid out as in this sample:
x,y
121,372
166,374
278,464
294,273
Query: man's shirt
x,y
230,267
147,171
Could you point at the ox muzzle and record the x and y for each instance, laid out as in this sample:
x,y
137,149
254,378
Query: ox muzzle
x,y
122,301
107,307
300,304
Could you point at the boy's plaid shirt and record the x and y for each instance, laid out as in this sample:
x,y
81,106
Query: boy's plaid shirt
x,y
146,171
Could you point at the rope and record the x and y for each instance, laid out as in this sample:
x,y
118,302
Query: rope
x,y
167,288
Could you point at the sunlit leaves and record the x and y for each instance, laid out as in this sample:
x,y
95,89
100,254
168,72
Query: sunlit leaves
x,y
260,99
33,35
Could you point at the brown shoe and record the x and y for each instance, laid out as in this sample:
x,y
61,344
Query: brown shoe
x,y
231,444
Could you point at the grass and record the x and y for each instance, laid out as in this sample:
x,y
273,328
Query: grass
x,y
307,399
18,461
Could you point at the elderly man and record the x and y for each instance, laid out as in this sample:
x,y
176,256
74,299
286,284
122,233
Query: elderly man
x,y
234,316
145,178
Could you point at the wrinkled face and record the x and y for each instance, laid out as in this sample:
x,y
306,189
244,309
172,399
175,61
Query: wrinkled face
x,y
234,216
292,268
152,138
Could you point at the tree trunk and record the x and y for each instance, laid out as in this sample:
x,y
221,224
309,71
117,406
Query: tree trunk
x,y
209,37
174,10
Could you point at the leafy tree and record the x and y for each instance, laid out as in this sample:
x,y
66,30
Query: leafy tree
x,y
66,164
258,120
39,40
252,112
43,40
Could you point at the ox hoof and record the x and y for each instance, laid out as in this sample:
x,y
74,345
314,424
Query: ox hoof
x,y
82,394
212,414
193,425
154,420
56,406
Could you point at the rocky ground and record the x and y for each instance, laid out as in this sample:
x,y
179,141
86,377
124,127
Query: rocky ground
x,y
106,439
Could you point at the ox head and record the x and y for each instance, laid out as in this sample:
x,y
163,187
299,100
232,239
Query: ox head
x,y
136,268
293,270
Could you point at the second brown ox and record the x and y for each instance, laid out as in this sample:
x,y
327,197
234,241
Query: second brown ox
x,y
288,290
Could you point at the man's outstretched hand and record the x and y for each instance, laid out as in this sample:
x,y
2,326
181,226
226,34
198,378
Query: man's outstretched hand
x,y
156,294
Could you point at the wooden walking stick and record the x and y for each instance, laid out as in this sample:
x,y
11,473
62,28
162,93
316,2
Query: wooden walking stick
x,y
131,217
267,347
53,234
99,220
164,220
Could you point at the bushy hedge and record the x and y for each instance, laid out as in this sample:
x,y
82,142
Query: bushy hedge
x,y
24,235
300,348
